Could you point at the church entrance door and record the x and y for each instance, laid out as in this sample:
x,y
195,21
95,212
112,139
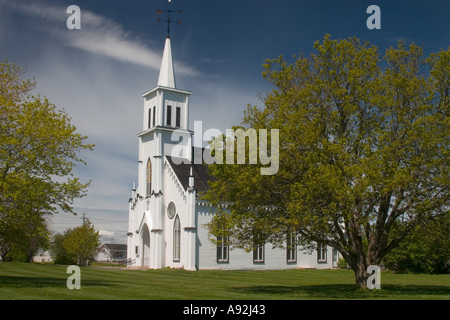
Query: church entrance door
x,y
145,247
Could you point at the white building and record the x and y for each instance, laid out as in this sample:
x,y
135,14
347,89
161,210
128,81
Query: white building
x,y
166,213
111,252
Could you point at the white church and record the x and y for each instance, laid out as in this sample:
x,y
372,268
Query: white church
x,y
166,212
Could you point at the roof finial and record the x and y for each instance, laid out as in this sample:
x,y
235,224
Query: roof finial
x,y
159,11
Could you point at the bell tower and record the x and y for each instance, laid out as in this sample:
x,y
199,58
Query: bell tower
x,y
166,110
165,132
165,126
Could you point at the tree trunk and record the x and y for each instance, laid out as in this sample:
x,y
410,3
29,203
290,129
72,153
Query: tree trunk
x,y
358,264
360,275
30,254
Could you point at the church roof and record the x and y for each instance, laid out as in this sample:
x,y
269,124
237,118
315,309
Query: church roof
x,y
115,246
199,172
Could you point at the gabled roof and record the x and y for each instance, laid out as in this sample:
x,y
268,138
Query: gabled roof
x,y
115,246
199,172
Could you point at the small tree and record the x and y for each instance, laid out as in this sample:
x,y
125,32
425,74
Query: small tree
x,y
82,242
58,252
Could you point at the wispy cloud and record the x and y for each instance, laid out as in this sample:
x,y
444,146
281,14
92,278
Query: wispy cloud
x,y
98,34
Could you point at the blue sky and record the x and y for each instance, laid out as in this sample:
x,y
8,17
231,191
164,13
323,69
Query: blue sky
x,y
98,73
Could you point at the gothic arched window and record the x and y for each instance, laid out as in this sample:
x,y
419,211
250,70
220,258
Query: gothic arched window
x,y
176,239
148,178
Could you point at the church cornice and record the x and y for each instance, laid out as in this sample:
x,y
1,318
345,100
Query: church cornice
x,y
204,203
162,88
161,128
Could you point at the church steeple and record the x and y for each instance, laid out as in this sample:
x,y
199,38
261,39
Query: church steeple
x,y
166,72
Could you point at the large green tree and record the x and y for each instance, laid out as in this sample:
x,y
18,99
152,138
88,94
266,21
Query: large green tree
x,y
363,143
39,148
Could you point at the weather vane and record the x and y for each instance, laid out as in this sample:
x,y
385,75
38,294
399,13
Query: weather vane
x,y
159,11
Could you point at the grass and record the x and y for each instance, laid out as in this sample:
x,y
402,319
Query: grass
x,y
24,281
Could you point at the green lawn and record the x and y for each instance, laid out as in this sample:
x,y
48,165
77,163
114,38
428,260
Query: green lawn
x,y
48,281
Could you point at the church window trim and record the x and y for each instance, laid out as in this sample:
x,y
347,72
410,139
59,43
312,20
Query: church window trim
x,y
177,117
148,178
291,248
258,250
321,253
149,118
154,115
176,239
223,249
169,115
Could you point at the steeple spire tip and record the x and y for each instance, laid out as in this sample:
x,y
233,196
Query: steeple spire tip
x,y
166,72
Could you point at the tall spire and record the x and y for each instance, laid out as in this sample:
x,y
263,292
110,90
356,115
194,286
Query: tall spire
x,y
166,72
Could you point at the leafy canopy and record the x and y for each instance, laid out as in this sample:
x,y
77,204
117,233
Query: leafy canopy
x,y
39,148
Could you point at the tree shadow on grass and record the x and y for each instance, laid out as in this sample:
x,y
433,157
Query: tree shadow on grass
x,y
346,291
41,282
